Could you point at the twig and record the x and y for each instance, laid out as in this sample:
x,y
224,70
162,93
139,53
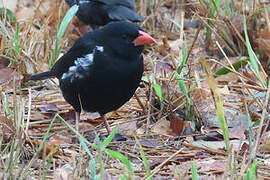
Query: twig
x,y
258,138
149,108
140,102
29,111
259,132
240,77
194,40
162,164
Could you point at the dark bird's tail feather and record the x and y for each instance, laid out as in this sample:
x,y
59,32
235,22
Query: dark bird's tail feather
x,y
40,76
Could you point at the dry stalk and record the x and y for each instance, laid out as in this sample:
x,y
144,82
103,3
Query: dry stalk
x,y
240,77
157,169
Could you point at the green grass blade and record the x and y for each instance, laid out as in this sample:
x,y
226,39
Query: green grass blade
x,y
183,88
158,91
123,177
194,172
63,26
76,132
46,170
46,135
26,169
8,14
222,121
236,66
251,174
254,63
8,109
249,128
145,162
107,141
4,29
180,68
16,41
215,6
218,103
121,158
113,154
68,17
189,105
92,163
92,167
176,23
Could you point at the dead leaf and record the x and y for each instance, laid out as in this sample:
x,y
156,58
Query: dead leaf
x,y
219,145
213,165
237,133
7,74
49,146
164,67
60,139
176,124
164,48
24,13
7,128
64,173
229,78
128,128
265,146
4,62
150,143
49,108
161,127
7,125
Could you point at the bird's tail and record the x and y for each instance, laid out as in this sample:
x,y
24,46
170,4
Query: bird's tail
x,y
41,76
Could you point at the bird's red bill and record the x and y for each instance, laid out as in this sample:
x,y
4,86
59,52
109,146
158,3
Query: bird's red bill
x,y
144,39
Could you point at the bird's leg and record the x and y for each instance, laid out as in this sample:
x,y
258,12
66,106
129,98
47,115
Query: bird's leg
x,y
77,120
107,126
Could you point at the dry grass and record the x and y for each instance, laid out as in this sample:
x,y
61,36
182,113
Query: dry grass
x,y
28,109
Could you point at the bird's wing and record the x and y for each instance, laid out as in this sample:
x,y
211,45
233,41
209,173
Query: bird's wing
x,y
71,2
83,68
122,13
127,3
81,48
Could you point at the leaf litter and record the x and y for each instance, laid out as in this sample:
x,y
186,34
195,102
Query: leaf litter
x,y
170,142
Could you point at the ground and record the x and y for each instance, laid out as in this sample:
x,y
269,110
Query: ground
x,y
201,111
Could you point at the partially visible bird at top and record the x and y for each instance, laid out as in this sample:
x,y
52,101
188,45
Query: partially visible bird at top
x,y
100,12
102,70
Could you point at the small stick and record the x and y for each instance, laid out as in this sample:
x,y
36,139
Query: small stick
x,y
162,164
140,102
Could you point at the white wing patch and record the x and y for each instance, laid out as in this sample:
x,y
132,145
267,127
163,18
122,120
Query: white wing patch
x,y
83,1
82,65
100,48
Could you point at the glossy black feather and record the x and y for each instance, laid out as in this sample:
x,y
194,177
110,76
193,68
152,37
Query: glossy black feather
x,y
108,80
101,12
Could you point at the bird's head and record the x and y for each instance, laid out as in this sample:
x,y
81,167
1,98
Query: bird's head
x,y
126,38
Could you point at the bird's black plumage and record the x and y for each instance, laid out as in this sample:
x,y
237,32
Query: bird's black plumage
x,y
103,68
101,12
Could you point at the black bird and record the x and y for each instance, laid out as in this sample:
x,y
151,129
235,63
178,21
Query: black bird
x,y
100,12
102,70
